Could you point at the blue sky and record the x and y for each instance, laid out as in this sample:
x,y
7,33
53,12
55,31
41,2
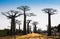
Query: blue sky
x,y
31,2
36,6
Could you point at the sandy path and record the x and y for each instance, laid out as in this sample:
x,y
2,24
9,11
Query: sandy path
x,y
28,36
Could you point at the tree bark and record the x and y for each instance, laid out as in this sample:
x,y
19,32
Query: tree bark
x,y
24,28
13,26
49,25
34,28
27,27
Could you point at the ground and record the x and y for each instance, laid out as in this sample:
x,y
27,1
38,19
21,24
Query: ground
x,y
28,36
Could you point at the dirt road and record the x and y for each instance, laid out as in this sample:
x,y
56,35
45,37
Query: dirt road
x,y
28,36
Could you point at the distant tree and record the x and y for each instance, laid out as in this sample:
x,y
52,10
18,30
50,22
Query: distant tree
x,y
24,9
28,21
39,30
50,12
19,23
30,29
12,14
54,30
35,26
58,27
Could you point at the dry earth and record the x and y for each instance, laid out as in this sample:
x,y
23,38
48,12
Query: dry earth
x,y
29,36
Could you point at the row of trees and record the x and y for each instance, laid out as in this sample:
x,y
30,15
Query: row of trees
x,y
12,14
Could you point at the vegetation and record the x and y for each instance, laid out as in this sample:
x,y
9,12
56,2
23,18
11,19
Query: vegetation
x,y
24,9
12,14
28,21
4,32
35,27
49,11
19,23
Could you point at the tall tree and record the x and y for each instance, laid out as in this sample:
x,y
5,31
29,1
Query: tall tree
x,y
24,9
49,11
12,14
35,26
28,21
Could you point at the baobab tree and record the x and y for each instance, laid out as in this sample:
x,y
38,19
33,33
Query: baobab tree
x,y
49,11
25,9
19,23
12,14
35,26
28,21
30,29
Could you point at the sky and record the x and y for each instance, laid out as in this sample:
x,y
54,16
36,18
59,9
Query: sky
x,y
36,7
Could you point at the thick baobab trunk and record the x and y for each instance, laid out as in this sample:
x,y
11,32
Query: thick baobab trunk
x,y
13,26
27,27
34,29
24,28
49,25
